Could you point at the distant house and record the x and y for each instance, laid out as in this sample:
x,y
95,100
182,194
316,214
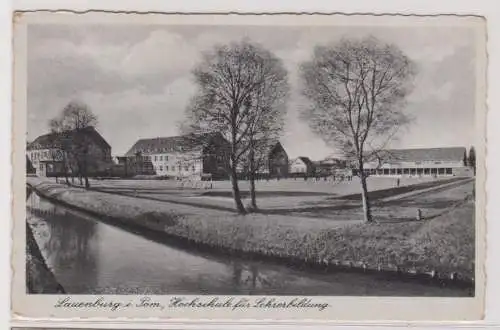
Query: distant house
x,y
418,162
330,166
276,162
271,159
302,165
191,155
47,153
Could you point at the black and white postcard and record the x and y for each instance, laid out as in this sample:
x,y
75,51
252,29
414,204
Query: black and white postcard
x,y
265,167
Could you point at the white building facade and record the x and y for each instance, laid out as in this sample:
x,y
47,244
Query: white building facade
x,y
185,156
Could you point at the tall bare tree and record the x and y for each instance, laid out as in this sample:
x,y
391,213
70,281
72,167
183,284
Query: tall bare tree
x,y
357,90
265,124
64,144
71,124
229,78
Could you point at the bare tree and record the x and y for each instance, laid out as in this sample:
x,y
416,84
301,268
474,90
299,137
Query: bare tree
x,y
71,124
232,81
267,108
64,144
357,90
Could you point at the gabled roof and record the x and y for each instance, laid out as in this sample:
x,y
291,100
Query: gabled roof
x,y
422,154
55,140
306,161
180,143
268,145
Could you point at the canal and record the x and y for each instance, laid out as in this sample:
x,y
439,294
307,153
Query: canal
x,y
89,256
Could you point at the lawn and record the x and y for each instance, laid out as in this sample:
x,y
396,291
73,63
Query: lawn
x,y
274,196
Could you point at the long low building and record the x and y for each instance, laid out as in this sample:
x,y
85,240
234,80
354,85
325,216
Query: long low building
x,y
419,162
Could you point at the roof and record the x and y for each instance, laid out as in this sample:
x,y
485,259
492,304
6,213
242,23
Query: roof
x,y
423,154
54,140
306,161
267,145
180,143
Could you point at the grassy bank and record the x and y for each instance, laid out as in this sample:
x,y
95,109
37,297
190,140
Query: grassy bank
x,y
444,244
39,278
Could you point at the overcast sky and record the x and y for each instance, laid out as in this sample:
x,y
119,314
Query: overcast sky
x,y
137,79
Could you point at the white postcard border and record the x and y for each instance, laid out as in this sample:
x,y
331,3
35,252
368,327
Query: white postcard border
x,y
341,308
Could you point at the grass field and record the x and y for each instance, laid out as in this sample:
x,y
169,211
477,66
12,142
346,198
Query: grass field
x,y
272,196
298,186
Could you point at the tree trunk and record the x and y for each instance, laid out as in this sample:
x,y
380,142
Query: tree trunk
x,y
364,196
236,190
253,197
65,166
85,172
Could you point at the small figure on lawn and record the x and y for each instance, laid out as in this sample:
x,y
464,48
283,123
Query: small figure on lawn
x,y
419,214
398,182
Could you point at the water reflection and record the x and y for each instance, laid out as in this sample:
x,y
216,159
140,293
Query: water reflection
x,y
66,245
90,257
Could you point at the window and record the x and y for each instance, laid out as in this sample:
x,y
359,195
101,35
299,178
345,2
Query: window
x,y
166,158
166,168
192,168
449,171
161,158
186,168
161,167
156,158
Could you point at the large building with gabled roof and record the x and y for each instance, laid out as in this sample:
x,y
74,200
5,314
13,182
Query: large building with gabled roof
x,y
49,157
190,155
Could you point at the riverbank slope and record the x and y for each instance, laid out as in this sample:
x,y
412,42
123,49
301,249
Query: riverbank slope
x,y
39,278
443,246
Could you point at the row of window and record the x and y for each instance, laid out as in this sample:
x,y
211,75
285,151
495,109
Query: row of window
x,y
410,171
174,168
161,158
39,155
